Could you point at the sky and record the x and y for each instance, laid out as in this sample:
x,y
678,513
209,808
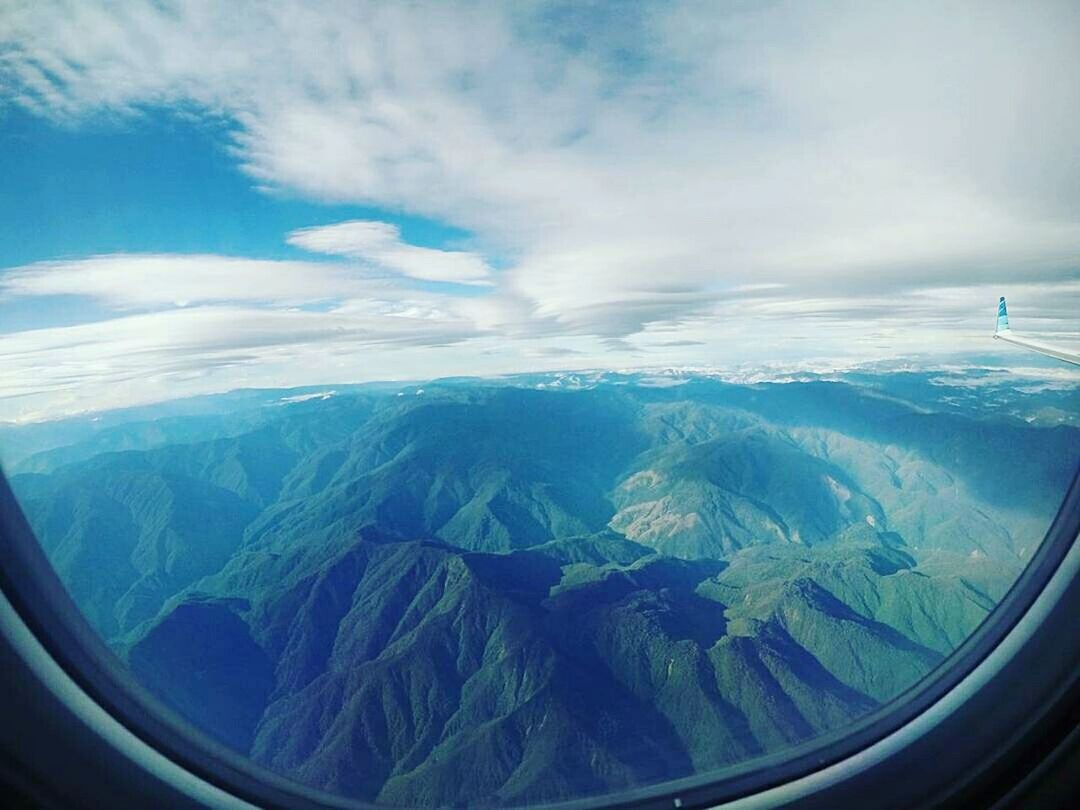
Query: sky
x,y
199,196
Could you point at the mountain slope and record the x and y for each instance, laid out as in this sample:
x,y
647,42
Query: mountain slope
x,y
486,595
413,672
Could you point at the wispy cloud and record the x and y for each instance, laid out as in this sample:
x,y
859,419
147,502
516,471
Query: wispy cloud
x,y
134,281
380,244
141,357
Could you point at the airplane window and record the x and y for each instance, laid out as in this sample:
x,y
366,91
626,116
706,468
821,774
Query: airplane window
x,y
495,405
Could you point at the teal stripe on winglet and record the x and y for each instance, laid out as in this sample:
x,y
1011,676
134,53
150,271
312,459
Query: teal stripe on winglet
x,y
1003,316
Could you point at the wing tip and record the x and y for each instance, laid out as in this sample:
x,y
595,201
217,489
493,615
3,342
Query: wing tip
x,y
1002,317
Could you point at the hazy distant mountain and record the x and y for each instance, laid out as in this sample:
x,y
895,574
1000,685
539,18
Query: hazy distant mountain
x,y
549,586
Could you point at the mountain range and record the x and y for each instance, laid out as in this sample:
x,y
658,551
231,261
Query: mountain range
x,y
546,587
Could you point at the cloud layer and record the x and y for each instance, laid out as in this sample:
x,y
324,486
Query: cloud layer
x,y
651,179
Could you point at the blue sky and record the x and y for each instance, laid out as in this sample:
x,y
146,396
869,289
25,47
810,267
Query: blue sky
x,y
200,196
158,182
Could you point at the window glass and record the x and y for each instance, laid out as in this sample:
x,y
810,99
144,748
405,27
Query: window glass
x,y
496,404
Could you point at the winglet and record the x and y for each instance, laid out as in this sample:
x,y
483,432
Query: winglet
x,y
1003,317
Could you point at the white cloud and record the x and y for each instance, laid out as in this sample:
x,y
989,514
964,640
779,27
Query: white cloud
x,y
380,243
775,144
776,176
160,355
132,281
181,351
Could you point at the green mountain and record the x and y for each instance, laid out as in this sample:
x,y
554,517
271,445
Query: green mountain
x,y
498,594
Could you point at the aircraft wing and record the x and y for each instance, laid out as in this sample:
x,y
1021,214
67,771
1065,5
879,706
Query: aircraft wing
x,y
1003,332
